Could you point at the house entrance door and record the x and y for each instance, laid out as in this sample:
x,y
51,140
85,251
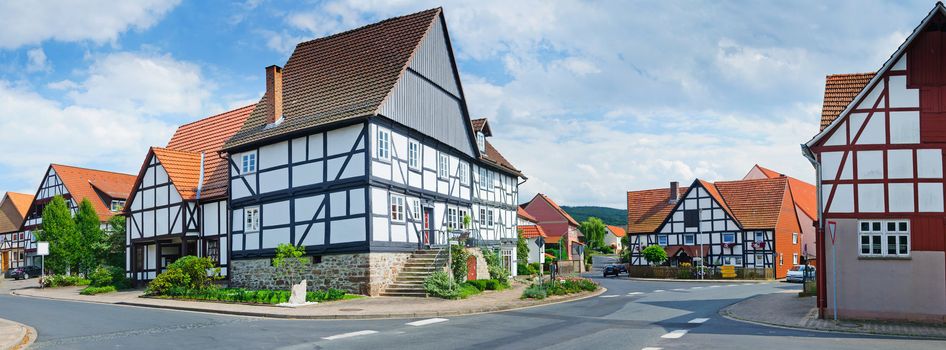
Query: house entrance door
x,y
4,264
428,218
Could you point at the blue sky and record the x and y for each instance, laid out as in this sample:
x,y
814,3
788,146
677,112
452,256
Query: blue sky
x,y
589,99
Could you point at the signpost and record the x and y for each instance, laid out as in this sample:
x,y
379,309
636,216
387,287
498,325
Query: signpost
x,y
42,249
832,229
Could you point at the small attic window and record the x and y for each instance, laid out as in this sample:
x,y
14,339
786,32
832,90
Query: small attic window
x,y
481,141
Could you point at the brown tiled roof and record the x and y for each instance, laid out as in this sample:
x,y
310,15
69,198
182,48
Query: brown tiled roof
x,y
560,210
804,194
13,209
522,213
493,157
339,77
839,90
755,204
532,231
83,183
647,209
481,125
617,230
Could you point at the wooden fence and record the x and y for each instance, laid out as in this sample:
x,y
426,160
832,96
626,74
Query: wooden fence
x,y
743,273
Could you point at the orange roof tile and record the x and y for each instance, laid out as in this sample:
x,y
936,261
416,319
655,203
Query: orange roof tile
x,y
342,76
84,183
647,209
804,194
21,201
525,215
183,169
532,231
839,90
559,209
13,209
755,204
713,192
768,172
617,230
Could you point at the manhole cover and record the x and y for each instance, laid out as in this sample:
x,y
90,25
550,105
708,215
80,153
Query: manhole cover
x,y
350,309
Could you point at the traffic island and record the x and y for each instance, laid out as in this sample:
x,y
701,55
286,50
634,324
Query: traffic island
x,y
362,308
787,309
15,336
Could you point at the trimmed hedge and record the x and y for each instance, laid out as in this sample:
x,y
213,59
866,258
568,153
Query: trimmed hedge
x,y
561,286
97,290
240,295
53,281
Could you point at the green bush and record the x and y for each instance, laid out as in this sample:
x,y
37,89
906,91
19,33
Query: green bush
x,y
465,290
97,290
684,273
458,258
494,285
109,276
654,254
189,272
479,284
535,291
570,285
253,296
500,274
535,267
606,250
53,281
440,284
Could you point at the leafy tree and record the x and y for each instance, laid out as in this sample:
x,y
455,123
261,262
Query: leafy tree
x,y
60,231
655,254
290,259
90,246
594,231
522,249
115,238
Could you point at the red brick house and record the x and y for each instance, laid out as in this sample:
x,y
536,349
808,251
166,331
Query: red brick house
x,y
561,228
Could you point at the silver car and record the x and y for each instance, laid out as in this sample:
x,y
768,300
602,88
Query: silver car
x,y
797,273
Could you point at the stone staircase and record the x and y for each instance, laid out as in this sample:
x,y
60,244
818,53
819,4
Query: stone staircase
x,y
410,281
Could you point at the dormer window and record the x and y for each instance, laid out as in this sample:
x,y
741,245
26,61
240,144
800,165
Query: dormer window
x,y
117,205
481,141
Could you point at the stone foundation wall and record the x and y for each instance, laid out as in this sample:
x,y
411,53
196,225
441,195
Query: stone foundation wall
x,y
362,273
482,270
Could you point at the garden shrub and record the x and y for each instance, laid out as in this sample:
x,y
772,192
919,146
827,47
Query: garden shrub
x,y
458,262
479,284
189,272
252,296
97,290
465,290
442,285
535,291
500,274
535,267
492,284
53,281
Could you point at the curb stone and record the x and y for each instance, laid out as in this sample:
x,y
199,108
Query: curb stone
x,y
700,281
24,341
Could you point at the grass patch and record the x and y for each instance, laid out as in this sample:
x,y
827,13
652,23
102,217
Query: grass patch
x,y
561,286
97,290
264,296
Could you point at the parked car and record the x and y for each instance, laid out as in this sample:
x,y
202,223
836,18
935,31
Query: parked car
x,y
22,273
9,272
797,273
614,269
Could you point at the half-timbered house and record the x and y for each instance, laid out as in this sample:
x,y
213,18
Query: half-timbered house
x,y
879,162
106,190
13,209
179,204
362,151
744,223
805,197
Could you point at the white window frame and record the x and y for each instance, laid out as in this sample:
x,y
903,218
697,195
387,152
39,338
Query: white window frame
x,y
758,234
251,219
794,238
728,234
415,208
452,222
875,237
443,166
464,176
413,154
483,178
481,141
248,162
483,217
397,208
119,207
460,216
794,259
489,218
383,146
692,239
664,238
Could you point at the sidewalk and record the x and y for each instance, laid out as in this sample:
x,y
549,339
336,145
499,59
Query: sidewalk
x,y
14,336
364,308
699,280
788,310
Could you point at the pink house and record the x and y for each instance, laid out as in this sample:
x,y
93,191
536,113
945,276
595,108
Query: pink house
x,y
560,227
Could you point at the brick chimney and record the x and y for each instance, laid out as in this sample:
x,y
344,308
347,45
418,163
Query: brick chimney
x,y
674,191
273,94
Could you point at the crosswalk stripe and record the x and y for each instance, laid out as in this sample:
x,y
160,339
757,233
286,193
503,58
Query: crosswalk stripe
x,y
427,322
675,334
350,334
658,291
635,293
609,296
698,320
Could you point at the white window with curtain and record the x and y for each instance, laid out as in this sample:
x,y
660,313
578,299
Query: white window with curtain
x,y
251,217
397,207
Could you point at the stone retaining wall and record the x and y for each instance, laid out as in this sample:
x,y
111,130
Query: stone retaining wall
x,y
362,273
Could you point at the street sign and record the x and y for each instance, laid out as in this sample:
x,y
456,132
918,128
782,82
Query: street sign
x,y
728,271
42,248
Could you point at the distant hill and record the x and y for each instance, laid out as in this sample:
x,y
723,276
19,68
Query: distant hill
x,y
610,216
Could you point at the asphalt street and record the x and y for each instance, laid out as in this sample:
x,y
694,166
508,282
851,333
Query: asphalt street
x,y
630,315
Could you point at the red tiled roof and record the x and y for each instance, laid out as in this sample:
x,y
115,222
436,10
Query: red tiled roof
x,y
183,169
21,201
13,209
493,157
481,125
769,173
532,231
342,76
647,209
839,90
804,194
617,230
713,192
559,209
755,204
83,183
522,213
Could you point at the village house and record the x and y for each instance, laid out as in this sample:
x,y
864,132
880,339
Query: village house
x,y
534,235
106,190
560,228
749,224
614,236
13,242
362,151
805,197
179,205
879,164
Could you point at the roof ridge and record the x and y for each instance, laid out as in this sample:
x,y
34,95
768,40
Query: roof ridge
x,y
89,169
307,42
221,114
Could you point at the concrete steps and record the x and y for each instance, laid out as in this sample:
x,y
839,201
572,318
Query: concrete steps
x,y
410,281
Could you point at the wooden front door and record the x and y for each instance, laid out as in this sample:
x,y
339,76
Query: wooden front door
x,y
471,268
4,264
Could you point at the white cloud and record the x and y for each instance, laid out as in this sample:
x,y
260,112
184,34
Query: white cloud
x,y
143,84
99,21
36,61
36,131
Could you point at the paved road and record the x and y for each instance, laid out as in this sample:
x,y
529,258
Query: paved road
x,y
630,315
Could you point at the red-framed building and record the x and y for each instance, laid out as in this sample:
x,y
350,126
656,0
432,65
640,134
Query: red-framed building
x,y
879,159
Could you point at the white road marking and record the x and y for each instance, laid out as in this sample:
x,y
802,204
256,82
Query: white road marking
x,y
679,289
696,288
698,320
675,334
714,286
349,335
427,322
652,348
609,296
658,291
730,285
635,293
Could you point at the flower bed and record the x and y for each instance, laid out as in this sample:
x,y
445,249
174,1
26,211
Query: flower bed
x,y
240,295
560,286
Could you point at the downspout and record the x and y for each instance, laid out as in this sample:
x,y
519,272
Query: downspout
x,y
200,179
819,234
